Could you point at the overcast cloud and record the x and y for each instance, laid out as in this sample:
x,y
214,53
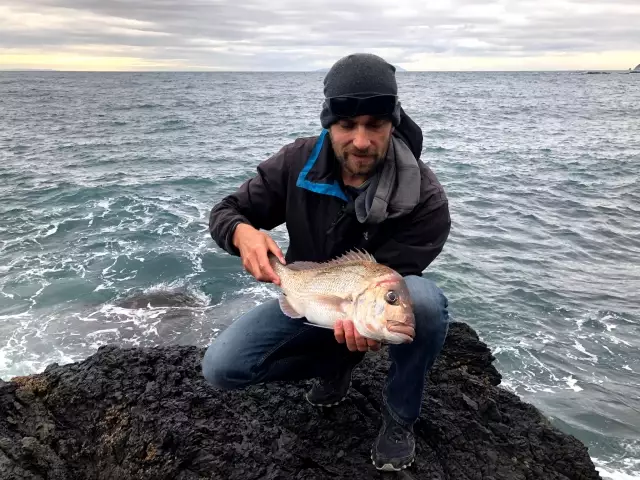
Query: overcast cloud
x,y
296,35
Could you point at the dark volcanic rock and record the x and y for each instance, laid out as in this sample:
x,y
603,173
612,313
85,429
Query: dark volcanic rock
x,y
160,298
148,414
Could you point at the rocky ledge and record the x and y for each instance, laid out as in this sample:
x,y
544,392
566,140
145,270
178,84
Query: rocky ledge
x,y
147,413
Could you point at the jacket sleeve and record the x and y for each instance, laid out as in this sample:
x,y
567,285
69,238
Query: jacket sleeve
x,y
411,250
260,202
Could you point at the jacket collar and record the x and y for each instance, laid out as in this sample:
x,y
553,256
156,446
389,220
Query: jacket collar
x,y
383,198
319,172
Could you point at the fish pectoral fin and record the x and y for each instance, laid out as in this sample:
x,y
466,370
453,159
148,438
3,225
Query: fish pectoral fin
x,y
333,301
287,309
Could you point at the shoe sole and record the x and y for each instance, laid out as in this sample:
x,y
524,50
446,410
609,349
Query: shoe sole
x,y
328,404
389,467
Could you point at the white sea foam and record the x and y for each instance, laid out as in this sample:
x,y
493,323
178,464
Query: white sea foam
x,y
616,341
259,292
616,474
578,346
105,204
572,383
50,231
104,286
621,467
5,361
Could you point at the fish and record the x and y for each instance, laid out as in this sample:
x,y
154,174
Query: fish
x,y
352,286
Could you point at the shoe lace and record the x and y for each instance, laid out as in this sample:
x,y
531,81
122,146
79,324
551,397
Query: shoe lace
x,y
396,432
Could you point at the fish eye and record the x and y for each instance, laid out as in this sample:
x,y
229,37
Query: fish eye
x,y
391,297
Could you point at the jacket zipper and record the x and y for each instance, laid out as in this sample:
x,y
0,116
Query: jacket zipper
x,y
339,217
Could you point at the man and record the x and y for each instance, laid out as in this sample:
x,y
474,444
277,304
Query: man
x,y
358,185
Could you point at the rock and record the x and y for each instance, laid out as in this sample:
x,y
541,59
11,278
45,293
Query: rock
x,y
147,413
158,298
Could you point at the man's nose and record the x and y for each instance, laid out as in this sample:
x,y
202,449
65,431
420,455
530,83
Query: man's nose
x,y
361,140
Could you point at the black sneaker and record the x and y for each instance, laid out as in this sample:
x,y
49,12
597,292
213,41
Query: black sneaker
x,y
330,392
395,447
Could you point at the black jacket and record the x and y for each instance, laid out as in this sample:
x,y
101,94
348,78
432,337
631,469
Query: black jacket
x,y
301,186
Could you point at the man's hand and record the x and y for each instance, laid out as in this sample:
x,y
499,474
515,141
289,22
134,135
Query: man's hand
x,y
345,331
253,246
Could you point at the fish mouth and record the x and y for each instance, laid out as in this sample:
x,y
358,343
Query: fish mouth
x,y
404,330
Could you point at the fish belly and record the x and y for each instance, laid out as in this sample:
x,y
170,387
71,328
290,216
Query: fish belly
x,y
321,315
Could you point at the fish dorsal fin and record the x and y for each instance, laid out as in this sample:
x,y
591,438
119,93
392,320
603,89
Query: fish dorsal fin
x,y
353,256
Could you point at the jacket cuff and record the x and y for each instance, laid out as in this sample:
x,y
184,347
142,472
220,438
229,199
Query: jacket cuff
x,y
228,241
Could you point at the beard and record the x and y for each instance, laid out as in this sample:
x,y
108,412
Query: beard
x,y
360,162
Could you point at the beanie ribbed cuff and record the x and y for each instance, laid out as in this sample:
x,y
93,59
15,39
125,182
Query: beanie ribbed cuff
x,y
359,75
327,118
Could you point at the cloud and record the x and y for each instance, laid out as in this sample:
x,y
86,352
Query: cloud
x,y
292,35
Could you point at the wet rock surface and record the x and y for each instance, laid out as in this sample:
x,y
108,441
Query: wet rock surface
x,y
147,413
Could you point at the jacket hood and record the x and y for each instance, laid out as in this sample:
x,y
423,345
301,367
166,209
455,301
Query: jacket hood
x,y
410,133
394,190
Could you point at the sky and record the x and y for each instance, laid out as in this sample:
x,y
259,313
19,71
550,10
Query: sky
x,y
296,35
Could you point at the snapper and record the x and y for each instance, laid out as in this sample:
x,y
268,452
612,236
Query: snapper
x,y
353,286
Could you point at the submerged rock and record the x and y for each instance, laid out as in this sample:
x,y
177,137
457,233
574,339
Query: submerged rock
x,y
147,413
159,298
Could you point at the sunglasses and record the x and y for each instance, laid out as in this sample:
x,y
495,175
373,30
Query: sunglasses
x,y
376,105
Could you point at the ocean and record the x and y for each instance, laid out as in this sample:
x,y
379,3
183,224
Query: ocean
x,y
107,180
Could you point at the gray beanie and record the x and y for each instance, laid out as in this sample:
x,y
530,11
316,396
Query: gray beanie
x,y
359,75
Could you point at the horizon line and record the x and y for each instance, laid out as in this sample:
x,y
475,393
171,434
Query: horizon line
x,y
303,71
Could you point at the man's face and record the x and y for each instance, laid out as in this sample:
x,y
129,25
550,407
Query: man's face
x,y
361,143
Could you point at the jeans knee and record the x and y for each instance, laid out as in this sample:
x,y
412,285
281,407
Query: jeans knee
x,y
430,306
219,373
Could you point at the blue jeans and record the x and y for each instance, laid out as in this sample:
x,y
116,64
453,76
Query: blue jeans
x,y
264,345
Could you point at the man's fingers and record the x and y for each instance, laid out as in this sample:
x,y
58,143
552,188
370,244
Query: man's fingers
x,y
345,332
349,337
275,249
361,341
264,259
338,331
266,271
253,267
253,246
